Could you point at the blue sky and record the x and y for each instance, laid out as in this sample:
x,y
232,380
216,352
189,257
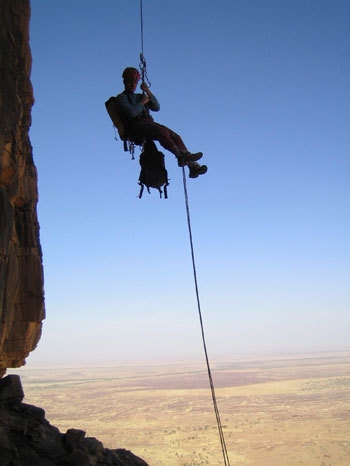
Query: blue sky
x,y
261,87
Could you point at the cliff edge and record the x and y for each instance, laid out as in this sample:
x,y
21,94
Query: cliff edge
x,y
21,271
26,437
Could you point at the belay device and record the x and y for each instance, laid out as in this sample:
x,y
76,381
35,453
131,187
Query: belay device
x,y
153,172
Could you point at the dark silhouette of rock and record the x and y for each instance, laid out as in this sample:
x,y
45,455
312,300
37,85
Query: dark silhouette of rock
x,y
11,389
28,439
21,271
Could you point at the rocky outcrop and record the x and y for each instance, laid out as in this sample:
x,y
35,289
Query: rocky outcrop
x,y
28,439
21,271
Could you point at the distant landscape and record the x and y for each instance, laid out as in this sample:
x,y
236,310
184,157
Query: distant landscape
x,y
281,411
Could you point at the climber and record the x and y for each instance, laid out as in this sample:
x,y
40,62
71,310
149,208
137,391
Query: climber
x,y
140,125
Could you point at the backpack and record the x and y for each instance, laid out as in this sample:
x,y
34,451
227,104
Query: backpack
x,y
121,124
153,172
114,114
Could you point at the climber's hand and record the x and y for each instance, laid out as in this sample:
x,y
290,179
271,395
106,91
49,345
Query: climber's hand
x,y
144,87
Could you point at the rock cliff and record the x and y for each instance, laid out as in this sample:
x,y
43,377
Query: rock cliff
x,y
21,271
26,437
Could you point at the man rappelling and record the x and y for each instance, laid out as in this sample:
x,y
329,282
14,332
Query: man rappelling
x,y
134,108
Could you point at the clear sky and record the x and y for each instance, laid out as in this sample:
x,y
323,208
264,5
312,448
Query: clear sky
x,y
262,88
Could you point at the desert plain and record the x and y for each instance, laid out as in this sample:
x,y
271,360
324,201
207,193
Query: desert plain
x,y
275,411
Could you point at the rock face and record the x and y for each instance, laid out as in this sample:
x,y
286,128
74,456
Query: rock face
x,y
26,437
21,272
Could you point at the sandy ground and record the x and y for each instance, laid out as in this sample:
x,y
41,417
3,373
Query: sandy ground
x,y
285,411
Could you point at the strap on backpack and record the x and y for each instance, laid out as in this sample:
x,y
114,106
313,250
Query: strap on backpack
x,y
159,189
141,190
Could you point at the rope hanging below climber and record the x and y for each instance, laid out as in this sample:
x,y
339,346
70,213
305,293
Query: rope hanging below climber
x,y
130,113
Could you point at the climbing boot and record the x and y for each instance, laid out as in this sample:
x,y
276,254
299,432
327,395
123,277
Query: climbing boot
x,y
196,169
186,157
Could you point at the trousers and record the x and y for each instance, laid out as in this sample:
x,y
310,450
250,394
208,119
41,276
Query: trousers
x,y
146,128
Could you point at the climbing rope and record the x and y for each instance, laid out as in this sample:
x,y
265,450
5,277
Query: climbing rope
x,y
144,76
141,23
216,409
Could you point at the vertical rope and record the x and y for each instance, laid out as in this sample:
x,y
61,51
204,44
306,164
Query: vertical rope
x,y
216,409
142,65
141,16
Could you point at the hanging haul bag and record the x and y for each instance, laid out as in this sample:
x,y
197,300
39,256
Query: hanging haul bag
x,y
153,172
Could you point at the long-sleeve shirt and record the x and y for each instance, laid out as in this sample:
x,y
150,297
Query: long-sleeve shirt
x,y
132,107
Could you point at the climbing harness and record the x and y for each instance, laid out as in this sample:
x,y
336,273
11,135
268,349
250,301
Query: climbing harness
x,y
216,409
